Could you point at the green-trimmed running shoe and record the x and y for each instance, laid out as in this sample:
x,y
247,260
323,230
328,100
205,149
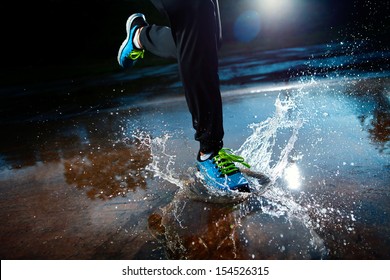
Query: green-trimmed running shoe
x,y
128,54
220,172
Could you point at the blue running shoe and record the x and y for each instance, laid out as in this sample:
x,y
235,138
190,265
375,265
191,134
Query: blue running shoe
x,y
220,172
128,54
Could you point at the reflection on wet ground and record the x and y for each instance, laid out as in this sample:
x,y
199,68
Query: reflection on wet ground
x,y
105,177
108,171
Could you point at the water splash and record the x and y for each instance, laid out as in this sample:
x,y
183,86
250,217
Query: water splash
x,y
259,148
267,154
163,163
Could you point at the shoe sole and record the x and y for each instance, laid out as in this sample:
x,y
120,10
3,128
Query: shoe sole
x,y
128,26
243,189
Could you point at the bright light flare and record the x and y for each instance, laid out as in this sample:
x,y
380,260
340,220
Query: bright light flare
x,y
276,6
292,175
276,10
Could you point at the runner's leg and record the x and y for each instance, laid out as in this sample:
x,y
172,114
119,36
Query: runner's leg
x,y
195,34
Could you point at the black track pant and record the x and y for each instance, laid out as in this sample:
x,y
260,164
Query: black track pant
x,y
193,38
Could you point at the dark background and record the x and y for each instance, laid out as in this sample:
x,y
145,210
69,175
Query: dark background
x,y
52,39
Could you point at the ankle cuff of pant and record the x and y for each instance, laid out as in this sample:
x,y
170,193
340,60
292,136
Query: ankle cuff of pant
x,y
207,148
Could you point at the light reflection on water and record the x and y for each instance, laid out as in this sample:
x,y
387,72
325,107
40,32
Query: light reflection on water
x,y
293,177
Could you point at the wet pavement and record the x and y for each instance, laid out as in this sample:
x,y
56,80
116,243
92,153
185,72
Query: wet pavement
x,y
99,168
